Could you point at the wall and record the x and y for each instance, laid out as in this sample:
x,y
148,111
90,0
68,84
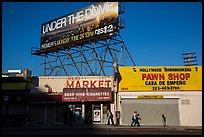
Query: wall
x,y
57,83
190,105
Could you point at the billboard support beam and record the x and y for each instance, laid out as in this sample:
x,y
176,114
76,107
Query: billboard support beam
x,y
87,63
94,58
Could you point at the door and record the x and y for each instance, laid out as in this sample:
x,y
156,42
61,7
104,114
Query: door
x,y
88,113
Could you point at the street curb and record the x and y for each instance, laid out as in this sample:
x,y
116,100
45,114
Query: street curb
x,y
108,127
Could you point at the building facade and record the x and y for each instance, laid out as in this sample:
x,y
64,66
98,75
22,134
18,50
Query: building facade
x,y
173,91
74,100
15,89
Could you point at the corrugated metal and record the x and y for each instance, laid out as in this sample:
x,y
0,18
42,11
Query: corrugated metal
x,y
150,111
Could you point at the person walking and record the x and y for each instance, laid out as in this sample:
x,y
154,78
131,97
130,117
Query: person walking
x,y
164,120
137,120
110,117
134,117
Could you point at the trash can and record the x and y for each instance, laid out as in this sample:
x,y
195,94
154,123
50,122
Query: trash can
x,y
117,117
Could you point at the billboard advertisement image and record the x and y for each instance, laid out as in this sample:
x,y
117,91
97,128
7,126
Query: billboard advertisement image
x,y
167,78
97,115
81,26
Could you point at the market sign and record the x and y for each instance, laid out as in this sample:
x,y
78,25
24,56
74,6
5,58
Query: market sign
x,y
166,78
86,94
52,84
82,26
88,82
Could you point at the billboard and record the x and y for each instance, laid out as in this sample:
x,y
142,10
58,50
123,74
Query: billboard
x,y
81,26
166,78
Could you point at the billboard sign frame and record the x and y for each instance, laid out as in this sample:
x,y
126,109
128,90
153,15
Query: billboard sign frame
x,y
88,24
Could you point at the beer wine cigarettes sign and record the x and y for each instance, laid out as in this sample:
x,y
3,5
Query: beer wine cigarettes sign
x,y
84,95
97,19
171,78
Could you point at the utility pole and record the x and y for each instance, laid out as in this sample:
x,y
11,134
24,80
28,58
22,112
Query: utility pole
x,y
189,59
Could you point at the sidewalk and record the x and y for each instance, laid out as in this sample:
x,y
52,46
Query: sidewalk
x,y
101,130
103,126
152,127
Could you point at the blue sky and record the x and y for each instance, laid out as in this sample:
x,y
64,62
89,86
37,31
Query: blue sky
x,y
156,33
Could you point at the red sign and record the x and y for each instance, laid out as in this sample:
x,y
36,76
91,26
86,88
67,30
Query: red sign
x,y
77,82
86,94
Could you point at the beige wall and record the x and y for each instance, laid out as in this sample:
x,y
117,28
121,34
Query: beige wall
x,y
190,107
57,83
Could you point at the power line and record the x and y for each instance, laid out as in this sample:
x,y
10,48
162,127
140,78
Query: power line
x,y
190,59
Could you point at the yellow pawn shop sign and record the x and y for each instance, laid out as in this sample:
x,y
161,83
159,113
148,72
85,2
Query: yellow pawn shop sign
x,y
160,78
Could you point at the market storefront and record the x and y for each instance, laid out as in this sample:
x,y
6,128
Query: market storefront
x,y
90,105
86,113
71,100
